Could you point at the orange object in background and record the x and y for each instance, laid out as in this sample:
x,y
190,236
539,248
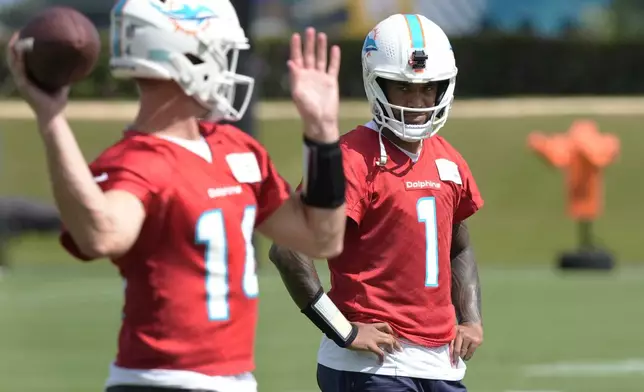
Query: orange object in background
x,y
582,152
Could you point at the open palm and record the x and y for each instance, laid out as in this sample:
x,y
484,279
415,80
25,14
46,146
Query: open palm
x,y
314,82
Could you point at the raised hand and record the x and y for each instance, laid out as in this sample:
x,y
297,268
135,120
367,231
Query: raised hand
x,y
314,84
44,105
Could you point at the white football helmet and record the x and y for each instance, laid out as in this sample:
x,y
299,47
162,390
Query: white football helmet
x,y
413,49
196,43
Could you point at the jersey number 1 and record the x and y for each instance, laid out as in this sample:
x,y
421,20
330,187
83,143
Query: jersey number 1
x,y
211,231
426,210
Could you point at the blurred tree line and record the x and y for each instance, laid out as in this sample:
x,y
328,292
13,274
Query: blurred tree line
x,y
604,41
621,20
628,18
17,14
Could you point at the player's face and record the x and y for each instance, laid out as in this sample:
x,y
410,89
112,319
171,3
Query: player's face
x,y
411,95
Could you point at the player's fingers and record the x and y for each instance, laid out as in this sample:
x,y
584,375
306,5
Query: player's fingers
x,y
23,45
465,347
64,92
11,43
296,50
309,48
294,71
386,341
11,50
292,66
474,345
397,345
470,352
373,347
456,351
18,48
321,58
384,327
334,62
15,61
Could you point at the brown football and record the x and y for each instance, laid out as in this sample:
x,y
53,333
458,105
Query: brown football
x,y
61,46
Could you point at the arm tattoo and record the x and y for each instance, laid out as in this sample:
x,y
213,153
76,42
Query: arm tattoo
x,y
298,274
466,288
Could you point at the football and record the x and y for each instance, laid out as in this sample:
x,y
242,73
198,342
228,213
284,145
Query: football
x,y
61,46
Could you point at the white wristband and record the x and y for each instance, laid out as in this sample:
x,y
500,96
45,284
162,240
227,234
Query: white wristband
x,y
332,315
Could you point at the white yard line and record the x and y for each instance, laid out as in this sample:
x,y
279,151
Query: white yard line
x,y
634,366
532,390
359,110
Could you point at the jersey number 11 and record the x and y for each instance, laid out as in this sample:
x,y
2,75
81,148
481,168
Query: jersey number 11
x,y
211,231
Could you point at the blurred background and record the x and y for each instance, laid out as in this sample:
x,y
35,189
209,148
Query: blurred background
x,y
524,66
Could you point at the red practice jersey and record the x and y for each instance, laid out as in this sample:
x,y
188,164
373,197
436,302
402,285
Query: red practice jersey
x,y
395,267
191,288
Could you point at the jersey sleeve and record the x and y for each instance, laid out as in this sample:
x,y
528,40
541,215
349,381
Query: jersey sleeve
x,y
273,191
138,171
357,193
470,199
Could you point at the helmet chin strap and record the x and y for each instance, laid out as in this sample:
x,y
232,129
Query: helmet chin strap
x,y
383,152
382,161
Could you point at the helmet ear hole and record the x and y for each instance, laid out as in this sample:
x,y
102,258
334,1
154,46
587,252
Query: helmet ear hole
x,y
195,60
441,89
382,83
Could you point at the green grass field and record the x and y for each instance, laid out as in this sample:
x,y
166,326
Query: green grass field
x,y
58,318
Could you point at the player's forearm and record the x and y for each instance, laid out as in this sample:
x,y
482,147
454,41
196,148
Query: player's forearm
x,y
323,188
466,286
295,227
322,132
303,284
298,274
81,203
313,221
327,228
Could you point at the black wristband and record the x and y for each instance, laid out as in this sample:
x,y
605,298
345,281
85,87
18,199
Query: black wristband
x,y
327,317
323,182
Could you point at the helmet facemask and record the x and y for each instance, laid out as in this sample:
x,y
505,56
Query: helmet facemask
x,y
390,116
211,79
